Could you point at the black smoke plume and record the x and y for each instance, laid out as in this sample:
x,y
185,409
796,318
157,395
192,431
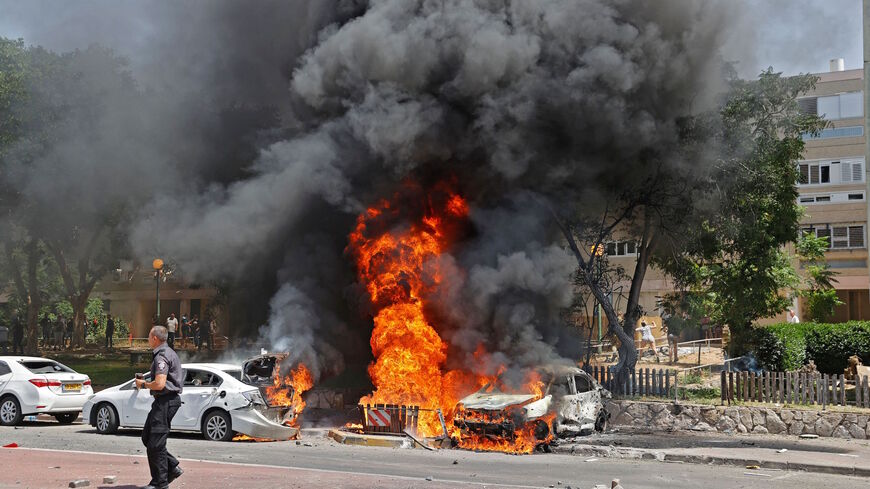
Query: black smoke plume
x,y
521,102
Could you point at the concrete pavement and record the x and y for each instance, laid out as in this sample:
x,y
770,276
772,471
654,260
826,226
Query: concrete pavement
x,y
822,455
38,468
308,459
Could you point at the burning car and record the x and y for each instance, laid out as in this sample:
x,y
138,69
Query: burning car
x,y
219,400
564,400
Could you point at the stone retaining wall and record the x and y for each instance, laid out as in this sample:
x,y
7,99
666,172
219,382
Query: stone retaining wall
x,y
669,416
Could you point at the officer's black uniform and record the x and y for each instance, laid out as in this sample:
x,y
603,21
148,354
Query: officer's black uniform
x,y
163,409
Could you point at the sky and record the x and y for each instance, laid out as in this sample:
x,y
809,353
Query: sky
x,y
793,36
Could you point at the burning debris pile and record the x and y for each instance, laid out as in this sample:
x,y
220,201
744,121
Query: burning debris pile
x,y
401,265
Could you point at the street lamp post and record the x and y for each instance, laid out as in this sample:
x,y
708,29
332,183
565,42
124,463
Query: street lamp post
x,y
157,264
596,252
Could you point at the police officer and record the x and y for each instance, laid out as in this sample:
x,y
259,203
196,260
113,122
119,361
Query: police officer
x,y
165,387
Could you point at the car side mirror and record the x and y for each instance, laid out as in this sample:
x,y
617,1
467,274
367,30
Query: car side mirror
x,y
223,394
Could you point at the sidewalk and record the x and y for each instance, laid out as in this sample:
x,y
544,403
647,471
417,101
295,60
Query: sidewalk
x,y
36,468
822,455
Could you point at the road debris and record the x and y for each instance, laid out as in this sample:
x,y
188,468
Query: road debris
x,y
80,483
753,467
782,450
757,474
591,460
110,479
809,436
429,478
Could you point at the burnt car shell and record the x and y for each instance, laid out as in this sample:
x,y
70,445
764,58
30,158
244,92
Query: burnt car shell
x,y
575,397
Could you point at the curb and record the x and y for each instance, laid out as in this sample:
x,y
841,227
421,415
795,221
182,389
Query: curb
x,y
387,441
662,456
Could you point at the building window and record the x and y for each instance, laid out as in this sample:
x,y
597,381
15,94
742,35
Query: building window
x,y
836,132
621,248
832,172
848,105
856,196
815,173
840,237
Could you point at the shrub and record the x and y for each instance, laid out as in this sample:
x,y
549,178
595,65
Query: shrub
x,y
831,345
785,346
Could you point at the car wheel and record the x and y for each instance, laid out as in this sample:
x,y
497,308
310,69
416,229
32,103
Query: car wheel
x,y
66,418
10,411
542,430
217,426
601,421
107,419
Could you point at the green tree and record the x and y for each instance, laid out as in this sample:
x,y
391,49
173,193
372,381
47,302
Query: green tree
x,y
821,297
57,191
735,250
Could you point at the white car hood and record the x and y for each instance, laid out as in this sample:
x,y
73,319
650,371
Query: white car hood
x,y
494,401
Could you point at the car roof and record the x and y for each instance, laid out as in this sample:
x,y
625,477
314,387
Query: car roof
x,y
214,366
12,358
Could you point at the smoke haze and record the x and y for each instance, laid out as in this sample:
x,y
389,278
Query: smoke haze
x,y
259,131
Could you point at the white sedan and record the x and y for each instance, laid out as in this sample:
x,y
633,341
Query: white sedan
x,y
33,385
214,400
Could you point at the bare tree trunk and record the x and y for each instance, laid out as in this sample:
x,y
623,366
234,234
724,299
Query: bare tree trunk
x,y
627,350
79,333
34,301
632,308
78,291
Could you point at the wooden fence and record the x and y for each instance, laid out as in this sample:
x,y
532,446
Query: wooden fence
x,y
795,388
642,382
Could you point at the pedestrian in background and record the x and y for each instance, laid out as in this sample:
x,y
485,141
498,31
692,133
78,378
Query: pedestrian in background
x,y
212,332
110,332
69,330
17,334
197,332
185,330
57,331
165,387
172,328
792,317
647,338
46,326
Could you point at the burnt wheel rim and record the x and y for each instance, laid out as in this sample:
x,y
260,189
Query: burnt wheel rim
x,y
216,427
103,418
8,411
601,422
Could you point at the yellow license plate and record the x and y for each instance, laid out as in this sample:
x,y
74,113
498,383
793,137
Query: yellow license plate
x,y
72,387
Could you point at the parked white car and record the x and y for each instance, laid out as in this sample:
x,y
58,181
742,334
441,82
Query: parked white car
x,y
33,385
214,400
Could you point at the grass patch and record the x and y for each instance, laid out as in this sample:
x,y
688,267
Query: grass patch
x,y
104,372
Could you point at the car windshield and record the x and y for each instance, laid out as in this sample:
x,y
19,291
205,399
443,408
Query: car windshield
x,y
234,373
45,367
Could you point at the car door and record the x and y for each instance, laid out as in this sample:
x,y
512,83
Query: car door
x,y
5,375
198,394
584,400
137,403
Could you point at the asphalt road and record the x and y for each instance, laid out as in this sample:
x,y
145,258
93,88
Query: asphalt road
x,y
411,468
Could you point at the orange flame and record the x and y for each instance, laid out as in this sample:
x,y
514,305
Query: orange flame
x,y
279,395
399,269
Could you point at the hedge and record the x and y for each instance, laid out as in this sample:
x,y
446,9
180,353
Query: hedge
x,y
783,347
